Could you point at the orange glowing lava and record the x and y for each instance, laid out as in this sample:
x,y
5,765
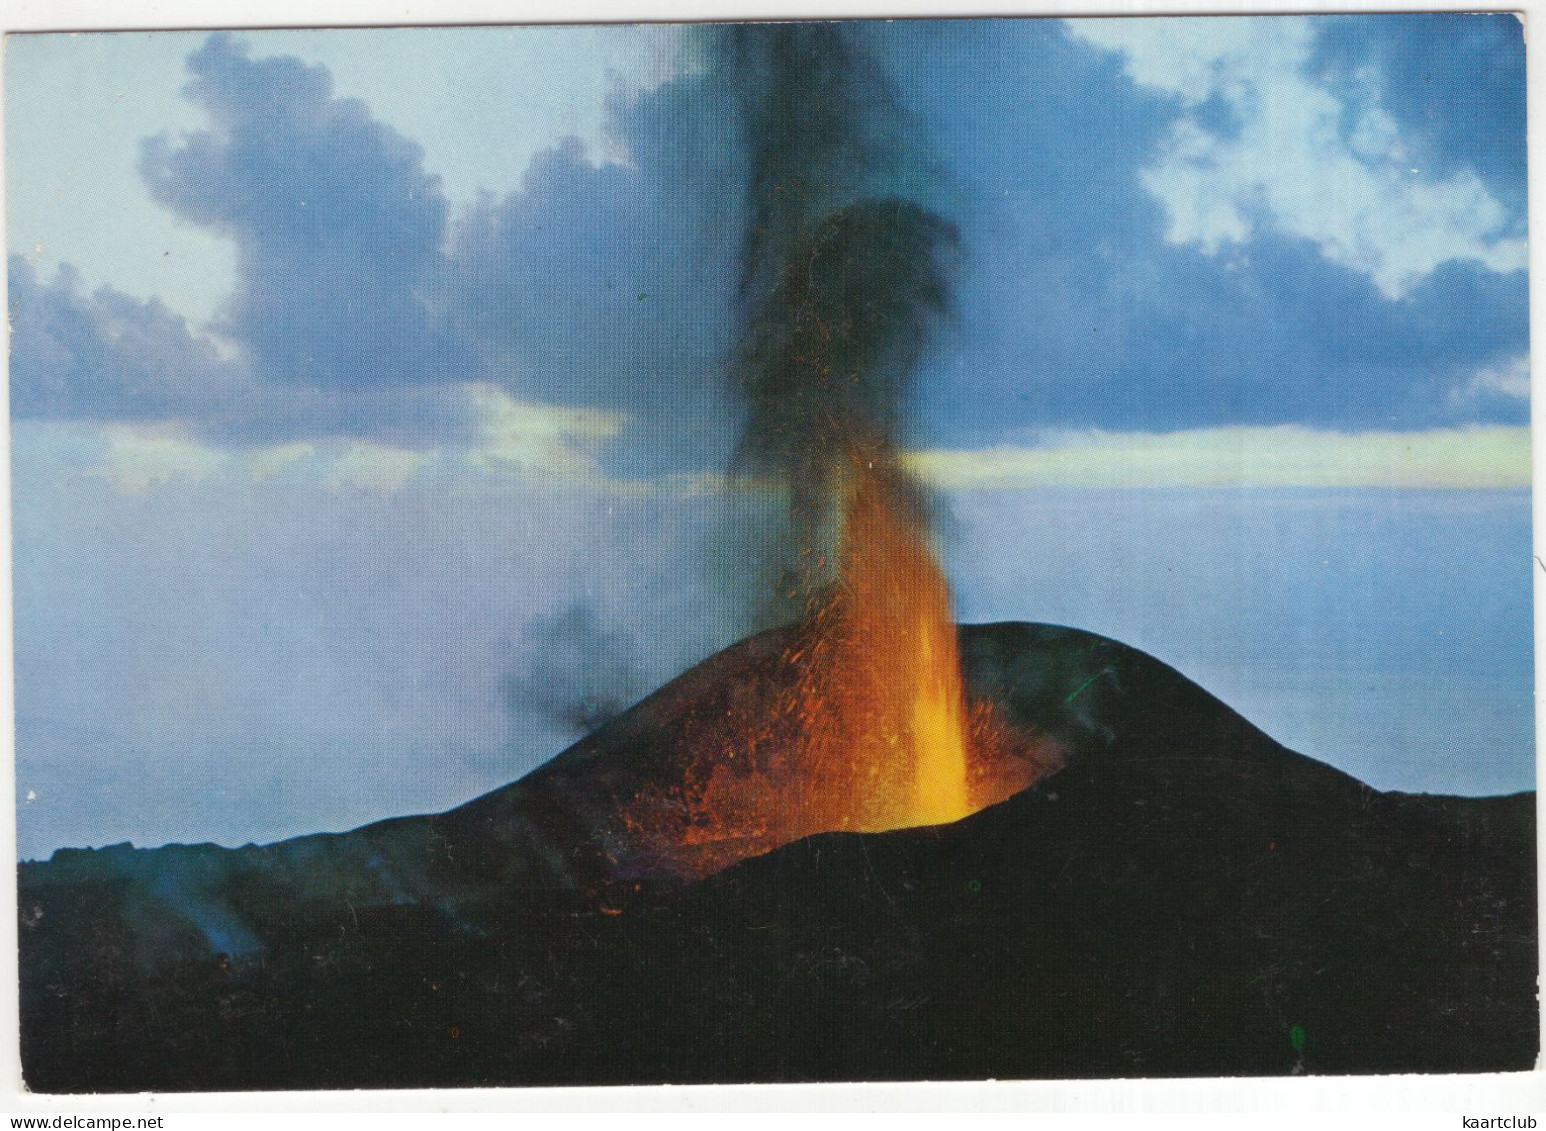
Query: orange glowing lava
x,y
882,696
863,724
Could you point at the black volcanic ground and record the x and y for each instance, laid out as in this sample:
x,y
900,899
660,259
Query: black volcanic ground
x,y
1185,897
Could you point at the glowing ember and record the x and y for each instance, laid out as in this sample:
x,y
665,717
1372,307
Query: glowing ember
x,y
863,725
884,691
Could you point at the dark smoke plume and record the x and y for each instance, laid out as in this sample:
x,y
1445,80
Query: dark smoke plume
x,y
845,275
575,672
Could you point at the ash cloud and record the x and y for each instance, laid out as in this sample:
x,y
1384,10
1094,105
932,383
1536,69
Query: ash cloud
x,y
845,276
575,672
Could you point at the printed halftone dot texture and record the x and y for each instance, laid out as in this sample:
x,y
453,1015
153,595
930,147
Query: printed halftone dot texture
x,y
345,455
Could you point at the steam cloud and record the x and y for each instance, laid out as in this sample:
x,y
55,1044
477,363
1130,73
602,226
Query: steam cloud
x,y
844,276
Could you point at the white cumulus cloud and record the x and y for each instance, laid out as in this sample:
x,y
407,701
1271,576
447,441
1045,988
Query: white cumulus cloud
x,y
1296,155
1509,379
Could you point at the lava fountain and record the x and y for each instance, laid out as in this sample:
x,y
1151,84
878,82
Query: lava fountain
x,y
881,686
857,719
863,722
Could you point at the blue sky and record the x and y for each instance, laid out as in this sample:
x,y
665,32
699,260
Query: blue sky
x,y
344,362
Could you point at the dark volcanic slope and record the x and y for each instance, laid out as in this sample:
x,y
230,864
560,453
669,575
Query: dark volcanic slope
x,y
1192,899
1185,897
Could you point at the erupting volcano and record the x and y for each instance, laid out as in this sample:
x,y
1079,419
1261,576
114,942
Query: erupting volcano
x,y
859,844
862,723
843,283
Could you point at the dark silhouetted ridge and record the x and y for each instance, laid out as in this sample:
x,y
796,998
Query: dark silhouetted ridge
x,y
1185,897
